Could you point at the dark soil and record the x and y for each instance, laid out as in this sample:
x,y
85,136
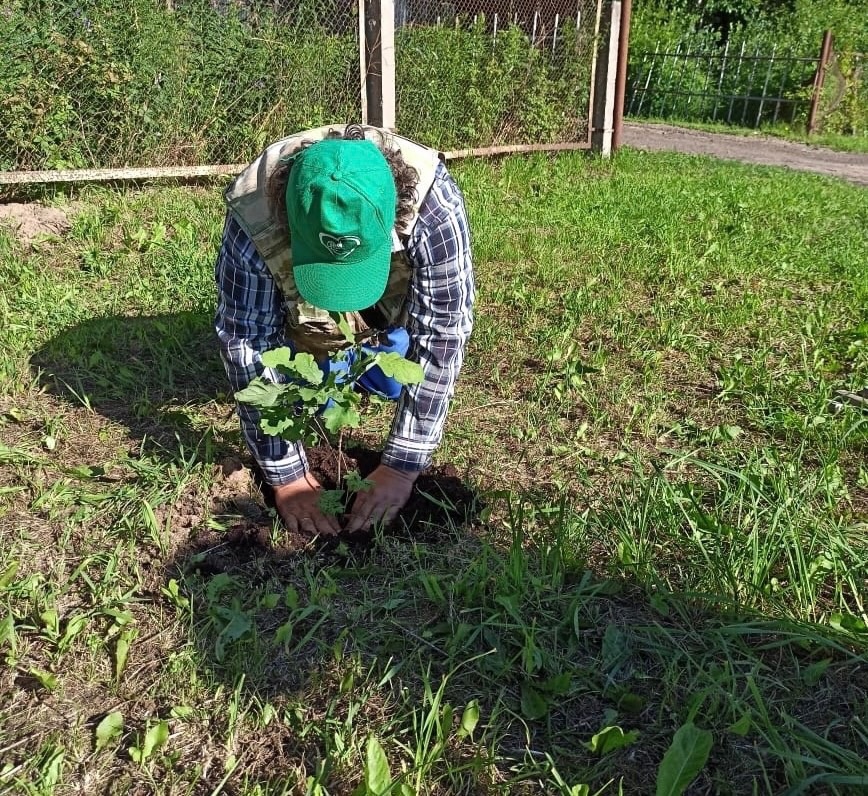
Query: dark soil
x,y
442,504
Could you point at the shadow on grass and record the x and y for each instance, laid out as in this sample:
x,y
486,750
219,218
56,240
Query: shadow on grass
x,y
138,372
400,639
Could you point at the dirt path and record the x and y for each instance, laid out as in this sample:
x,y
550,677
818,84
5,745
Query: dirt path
x,y
759,149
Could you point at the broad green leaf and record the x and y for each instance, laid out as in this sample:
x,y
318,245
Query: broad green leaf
x,y
277,357
400,368
337,417
155,738
259,393
469,718
278,424
533,705
378,778
109,729
305,367
181,712
848,623
683,760
580,790
611,738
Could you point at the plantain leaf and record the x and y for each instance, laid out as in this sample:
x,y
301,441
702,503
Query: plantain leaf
x,y
533,705
684,759
378,778
109,729
399,368
469,718
611,738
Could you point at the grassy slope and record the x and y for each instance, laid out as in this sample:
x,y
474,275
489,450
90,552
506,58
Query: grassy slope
x,y
674,526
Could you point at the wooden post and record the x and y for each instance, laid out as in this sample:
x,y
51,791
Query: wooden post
x,y
621,74
819,79
387,65
603,109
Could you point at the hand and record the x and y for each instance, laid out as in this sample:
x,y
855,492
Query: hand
x,y
381,503
298,505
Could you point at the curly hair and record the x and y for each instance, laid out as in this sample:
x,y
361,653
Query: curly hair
x,y
405,176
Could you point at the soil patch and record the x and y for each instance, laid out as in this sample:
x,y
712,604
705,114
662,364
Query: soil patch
x,y
757,149
442,502
28,222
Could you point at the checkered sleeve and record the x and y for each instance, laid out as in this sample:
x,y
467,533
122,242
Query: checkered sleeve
x,y
440,319
249,321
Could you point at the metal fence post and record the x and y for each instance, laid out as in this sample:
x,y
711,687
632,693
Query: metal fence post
x,y
377,33
819,78
603,109
621,74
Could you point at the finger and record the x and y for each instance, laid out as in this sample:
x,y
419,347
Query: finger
x,y
307,526
360,517
290,523
326,525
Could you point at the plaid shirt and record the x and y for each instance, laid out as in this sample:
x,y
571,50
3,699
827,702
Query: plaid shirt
x,y
250,320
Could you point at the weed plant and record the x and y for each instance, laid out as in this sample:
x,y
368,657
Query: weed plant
x,y
665,586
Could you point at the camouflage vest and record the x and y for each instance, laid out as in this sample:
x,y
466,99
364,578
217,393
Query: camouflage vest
x,y
309,328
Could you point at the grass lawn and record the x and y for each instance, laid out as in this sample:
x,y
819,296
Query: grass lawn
x,y
663,582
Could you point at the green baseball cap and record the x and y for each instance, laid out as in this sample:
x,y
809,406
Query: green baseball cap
x,y
340,201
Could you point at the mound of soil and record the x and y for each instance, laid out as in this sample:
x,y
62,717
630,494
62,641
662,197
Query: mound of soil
x,y
441,503
28,222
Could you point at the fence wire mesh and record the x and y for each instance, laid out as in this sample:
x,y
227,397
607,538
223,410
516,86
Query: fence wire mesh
x,y
125,83
474,73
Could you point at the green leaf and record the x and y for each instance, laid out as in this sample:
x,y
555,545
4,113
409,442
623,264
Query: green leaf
x,y
277,357
469,718
109,729
238,625
611,738
260,393
331,502
343,324
46,679
338,417
155,737
378,778
814,673
399,368
305,367
279,424
742,726
848,623
355,482
7,632
8,575
122,651
683,760
533,705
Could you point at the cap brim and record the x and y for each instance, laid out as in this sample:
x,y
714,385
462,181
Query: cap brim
x,y
344,287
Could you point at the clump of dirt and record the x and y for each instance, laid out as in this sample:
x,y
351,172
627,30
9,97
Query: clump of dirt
x,y
28,222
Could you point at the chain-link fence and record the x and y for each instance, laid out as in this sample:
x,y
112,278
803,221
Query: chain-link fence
x,y
488,72
126,84
111,83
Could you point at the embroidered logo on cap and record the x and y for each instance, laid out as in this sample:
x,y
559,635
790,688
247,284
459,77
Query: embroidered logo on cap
x,y
340,247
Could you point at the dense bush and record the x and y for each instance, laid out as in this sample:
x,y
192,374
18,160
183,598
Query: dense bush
x,y
102,83
784,27
459,86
